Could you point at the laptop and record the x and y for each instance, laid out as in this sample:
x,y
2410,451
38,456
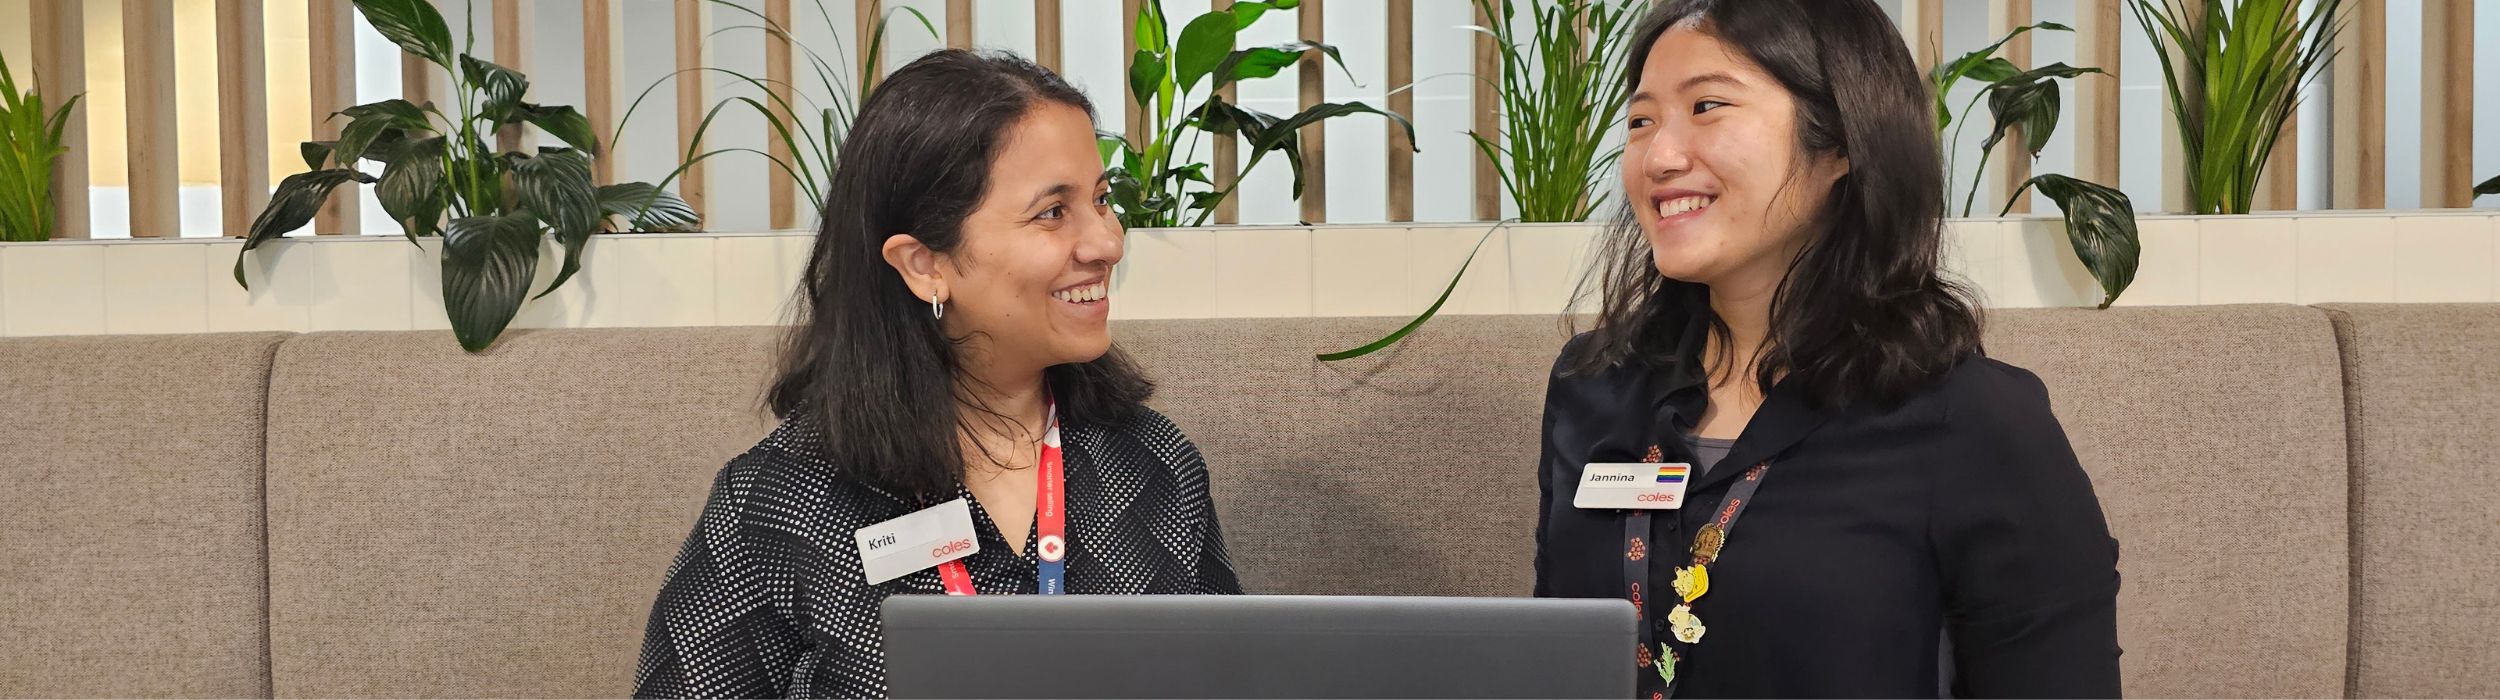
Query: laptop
x,y
1257,647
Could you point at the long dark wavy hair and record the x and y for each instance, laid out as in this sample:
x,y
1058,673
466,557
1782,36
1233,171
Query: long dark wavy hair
x,y
1862,315
867,370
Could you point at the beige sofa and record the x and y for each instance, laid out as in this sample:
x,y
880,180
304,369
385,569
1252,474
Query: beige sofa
x,y
2305,495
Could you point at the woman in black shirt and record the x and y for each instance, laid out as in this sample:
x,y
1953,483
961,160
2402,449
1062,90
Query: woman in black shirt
x,y
1782,440
954,348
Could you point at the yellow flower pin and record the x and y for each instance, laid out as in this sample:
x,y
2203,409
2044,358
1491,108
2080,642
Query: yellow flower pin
x,y
1692,581
1688,629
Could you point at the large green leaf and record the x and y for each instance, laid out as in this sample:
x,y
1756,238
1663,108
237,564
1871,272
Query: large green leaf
x,y
1325,111
1150,28
298,198
565,124
317,153
648,208
413,24
556,186
2100,224
1247,13
1429,312
1266,61
368,123
2032,106
1145,77
412,188
1205,43
2491,186
503,87
488,264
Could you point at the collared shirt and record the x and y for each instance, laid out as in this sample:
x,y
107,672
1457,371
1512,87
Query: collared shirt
x,y
767,598
1877,533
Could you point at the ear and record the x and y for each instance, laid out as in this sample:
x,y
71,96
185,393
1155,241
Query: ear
x,y
917,264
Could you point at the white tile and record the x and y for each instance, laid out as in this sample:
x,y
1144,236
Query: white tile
x,y
2247,260
1974,253
2167,267
2346,259
1547,265
1165,273
1438,253
2040,268
155,288
563,308
279,298
359,285
758,279
647,281
425,285
53,289
2445,258
1359,272
1263,273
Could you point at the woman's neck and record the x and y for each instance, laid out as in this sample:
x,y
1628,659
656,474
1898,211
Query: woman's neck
x,y
1002,408
1747,315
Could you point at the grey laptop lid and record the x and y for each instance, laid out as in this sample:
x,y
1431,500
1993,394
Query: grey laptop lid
x,y
1256,647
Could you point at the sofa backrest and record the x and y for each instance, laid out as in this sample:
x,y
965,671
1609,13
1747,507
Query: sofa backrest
x,y
2423,386
130,526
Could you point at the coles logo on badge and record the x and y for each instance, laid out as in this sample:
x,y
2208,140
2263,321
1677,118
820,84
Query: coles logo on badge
x,y
1053,548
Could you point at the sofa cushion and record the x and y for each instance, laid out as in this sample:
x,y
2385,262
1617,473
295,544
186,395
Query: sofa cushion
x,y
2423,384
130,530
496,525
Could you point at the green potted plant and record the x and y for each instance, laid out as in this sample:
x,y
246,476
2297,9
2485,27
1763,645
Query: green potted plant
x,y
30,138
2240,70
440,176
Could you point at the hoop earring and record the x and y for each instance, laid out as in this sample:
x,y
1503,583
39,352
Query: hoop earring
x,y
937,309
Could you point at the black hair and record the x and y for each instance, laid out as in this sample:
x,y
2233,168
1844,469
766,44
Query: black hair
x,y
867,370
1862,315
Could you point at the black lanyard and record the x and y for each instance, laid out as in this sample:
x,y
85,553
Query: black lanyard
x,y
1705,549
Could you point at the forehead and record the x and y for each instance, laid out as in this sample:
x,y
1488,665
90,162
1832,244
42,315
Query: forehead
x,y
1686,51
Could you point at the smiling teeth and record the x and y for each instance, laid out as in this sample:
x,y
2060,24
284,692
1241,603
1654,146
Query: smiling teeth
x,y
1079,295
1681,205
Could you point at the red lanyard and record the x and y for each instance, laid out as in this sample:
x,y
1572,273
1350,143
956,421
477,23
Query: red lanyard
x,y
1050,521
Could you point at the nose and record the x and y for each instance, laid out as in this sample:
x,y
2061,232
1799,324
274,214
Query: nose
x,y
1103,240
1666,154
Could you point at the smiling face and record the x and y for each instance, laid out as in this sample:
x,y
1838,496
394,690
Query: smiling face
x,y
1032,277
1713,169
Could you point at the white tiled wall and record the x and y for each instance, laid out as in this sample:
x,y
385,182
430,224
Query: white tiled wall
x,y
385,283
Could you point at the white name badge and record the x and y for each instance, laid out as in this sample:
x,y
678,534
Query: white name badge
x,y
933,536
1647,486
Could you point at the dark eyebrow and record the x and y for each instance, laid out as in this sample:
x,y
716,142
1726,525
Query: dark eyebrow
x,y
1054,191
1707,78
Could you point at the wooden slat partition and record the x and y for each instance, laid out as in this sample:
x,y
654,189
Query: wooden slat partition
x,y
692,96
871,69
333,28
60,61
1488,110
2361,108
1135,116
779,77
1046,39
1228,149
1314,70
600,29
416,79
155,155
2278,189
512,30
2447,104
242,114
1402,102
959,24
2013,164
2174,165
2099,39
1922,24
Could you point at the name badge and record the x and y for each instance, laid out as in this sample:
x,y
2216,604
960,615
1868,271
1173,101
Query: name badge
x,y
1648,486
933,536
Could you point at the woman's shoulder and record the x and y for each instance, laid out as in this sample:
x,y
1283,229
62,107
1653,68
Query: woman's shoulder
x,y
787,474
1983,390
1144,432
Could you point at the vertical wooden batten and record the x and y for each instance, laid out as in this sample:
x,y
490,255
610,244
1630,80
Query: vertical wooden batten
x,y
155,155
779,76
600,23
1227,149
512,31
1402,101
2278,188
1314,73
2175,194
1922,24
2013,159
692,97
60,63
2447,104
1046,39
869,14
1488,122
2361,108
242,114
959,24
2099,38
1134,116
333,27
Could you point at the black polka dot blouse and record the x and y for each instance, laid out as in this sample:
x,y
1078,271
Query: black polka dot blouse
x,y
767,598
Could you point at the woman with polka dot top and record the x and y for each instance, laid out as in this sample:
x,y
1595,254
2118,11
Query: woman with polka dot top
x,y
953,345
